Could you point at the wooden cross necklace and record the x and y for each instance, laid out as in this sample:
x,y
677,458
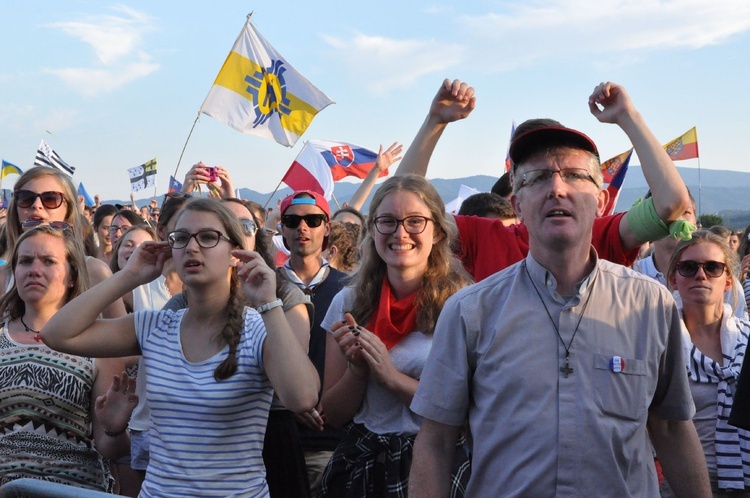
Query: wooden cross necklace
x,y
566,369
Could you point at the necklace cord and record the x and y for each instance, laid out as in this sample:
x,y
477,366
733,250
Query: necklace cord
x,y
557,330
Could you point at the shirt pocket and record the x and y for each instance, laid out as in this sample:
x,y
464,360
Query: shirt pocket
x,y
621,394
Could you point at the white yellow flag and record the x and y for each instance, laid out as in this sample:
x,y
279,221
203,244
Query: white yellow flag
x,y
259,93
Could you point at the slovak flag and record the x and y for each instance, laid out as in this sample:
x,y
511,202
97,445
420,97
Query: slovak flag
x,y
310,171
346,159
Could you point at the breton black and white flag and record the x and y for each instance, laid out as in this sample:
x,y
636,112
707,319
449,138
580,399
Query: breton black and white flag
x,y
143,176
45,156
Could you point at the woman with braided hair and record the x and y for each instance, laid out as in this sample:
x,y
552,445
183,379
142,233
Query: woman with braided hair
x,y
211,369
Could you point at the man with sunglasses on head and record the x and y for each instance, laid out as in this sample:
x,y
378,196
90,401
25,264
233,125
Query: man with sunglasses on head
x,y
305,227
567,367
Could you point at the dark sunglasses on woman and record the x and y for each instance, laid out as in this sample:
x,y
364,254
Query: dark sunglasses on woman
x,y
27,198
689,268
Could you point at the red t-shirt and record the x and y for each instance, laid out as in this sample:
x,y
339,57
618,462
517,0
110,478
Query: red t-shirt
x,y
487,246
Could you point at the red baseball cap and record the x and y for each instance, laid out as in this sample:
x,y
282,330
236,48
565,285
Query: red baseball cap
x,y
315,199
525,144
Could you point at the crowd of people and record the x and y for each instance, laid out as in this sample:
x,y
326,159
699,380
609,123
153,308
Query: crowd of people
x,y
527,345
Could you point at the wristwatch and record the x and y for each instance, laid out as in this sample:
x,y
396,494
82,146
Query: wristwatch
x,y
269,306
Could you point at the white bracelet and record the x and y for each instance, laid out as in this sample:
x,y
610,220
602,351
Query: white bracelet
x,y
269,306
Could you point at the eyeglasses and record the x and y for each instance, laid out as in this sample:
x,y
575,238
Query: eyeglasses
x,y
113,229
689,268
205,238
311,220
248,226
58,225
540,177
27,198
412,224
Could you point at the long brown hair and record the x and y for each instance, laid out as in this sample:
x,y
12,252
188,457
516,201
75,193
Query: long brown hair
x,y
444,274
11,302
232,331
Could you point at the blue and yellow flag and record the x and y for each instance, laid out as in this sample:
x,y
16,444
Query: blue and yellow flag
x,y
259,93
10,169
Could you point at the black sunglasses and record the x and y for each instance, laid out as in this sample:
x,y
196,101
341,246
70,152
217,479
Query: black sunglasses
x,y
689,268
27,198
311,220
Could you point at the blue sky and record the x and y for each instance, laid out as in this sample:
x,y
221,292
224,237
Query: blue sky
x,y
117,84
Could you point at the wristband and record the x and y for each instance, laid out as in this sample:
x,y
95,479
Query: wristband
x,y
114,434
269,306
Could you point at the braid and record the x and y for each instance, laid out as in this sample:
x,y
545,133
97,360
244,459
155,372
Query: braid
x,y
232,331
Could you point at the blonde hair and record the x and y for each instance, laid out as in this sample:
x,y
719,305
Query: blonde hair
x,y
702,237
444,274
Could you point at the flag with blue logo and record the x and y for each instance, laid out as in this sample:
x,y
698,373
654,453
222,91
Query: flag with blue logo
x,y
259,93
346,159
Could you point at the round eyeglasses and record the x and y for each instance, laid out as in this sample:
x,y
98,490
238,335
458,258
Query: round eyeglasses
x,y
27,198
412,224
205,238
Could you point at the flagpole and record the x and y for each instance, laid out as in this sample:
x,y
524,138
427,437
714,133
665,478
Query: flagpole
x,y
338,206
185,146
698,218
272,194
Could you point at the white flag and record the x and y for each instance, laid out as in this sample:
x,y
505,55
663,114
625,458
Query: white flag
x,y
259,93
143,176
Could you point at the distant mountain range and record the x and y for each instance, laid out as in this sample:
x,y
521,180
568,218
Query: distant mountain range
x,y
722,192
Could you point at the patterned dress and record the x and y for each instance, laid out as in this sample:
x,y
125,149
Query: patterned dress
x,y
45,423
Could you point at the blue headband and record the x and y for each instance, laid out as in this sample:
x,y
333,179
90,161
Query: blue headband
x,y
303,200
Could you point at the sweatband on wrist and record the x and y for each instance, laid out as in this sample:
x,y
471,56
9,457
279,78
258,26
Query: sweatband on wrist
x,y
681,229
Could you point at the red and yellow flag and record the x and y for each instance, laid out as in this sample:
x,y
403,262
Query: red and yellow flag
x,y
612,166
684,147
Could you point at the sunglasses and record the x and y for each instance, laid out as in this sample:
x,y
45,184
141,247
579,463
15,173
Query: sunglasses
x,y
311,220
248,227
713,269
27,198
58,225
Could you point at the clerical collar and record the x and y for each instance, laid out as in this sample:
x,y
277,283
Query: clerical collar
x,y
544,279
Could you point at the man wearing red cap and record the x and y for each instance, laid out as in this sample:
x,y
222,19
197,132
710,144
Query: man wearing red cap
x,y
486,246
305,222
560,362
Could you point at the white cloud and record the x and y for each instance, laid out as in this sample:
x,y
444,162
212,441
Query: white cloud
x,y
91,82
529,32
386,63
116,40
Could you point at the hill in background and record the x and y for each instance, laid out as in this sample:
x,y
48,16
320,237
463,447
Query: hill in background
x,y
726,193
